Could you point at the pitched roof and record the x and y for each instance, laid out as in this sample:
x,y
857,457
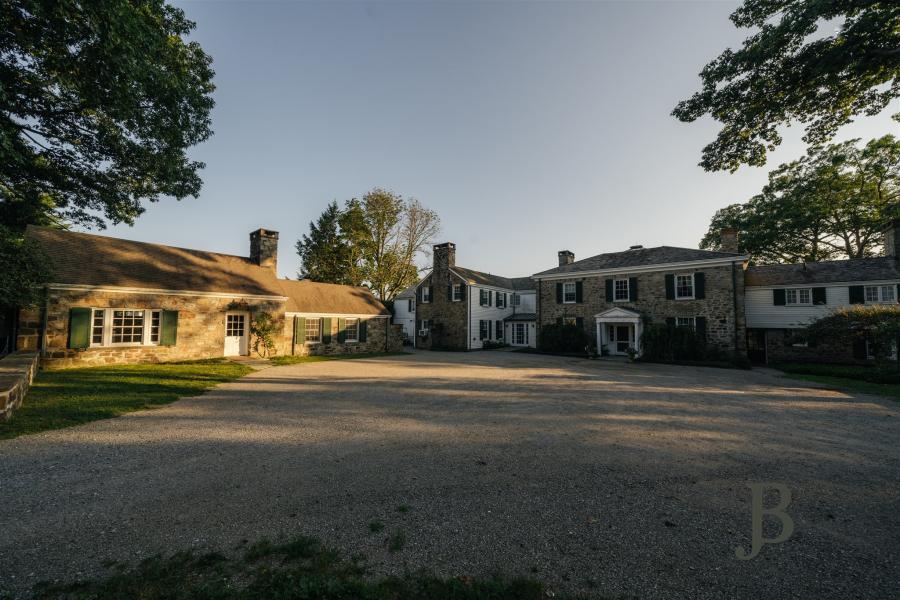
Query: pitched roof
x,y
313,297
480,278
834,271
638,257
409,292
94,260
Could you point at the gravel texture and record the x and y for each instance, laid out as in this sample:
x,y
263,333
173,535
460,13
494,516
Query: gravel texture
x,y
595,477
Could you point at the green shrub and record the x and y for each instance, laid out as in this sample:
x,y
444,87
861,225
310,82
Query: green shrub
x,y
565,339
665,343
491,345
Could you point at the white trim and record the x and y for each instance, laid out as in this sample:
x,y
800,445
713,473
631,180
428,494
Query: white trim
x,y
324,314
824,284
128,290
643,269
574,299
107,328
693,295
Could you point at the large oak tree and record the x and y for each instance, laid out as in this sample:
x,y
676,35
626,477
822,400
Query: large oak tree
x,y
818,63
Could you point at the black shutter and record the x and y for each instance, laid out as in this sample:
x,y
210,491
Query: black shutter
x,y
559,293
579,292
818,296
670,287
499,329
579,322
609,290
699,286
450,292
700,326
490,297
363,330
859,349
632,288
462,291
419,294
857,294
778,298
670,321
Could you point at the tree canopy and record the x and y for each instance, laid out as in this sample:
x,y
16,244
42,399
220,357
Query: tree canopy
x,y
818,63
99,102
372,241
878,325
830,204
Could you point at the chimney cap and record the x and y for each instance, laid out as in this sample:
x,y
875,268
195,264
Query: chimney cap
x,y
566,252
445,245
636,247
263,232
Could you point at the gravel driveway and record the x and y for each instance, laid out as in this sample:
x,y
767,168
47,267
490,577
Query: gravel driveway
x,y
596,477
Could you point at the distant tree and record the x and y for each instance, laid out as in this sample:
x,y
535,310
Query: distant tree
x,y
832,203
98,103
373,241
23,271
819,63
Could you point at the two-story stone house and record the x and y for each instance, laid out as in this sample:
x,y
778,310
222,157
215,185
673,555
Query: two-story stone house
x,y
461,309
614,295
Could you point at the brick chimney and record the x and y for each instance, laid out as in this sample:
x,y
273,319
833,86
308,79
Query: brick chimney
x,y
892,238
728,240
444,256
566,257
264,248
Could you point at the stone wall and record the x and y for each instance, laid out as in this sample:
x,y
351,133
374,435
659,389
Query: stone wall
x,y
381,336
448,318
16,374
780,348
718,306
201,327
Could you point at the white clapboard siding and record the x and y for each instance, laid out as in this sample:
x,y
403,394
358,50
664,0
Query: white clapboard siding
x,y
479,313
762,313
403,316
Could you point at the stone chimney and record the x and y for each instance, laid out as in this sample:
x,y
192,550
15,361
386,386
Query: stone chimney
x,y
892,238
566,257
444,256
264,248
728,240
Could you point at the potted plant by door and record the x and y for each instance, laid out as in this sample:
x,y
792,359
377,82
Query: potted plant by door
x,y
632,354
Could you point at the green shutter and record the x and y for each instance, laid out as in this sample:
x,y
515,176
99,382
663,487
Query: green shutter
x,y
342,330
326,330
79,328
299,330
362,330
168,327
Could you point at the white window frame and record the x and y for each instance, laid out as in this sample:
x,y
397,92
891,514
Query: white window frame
x,y
516,299
347,338
616,290
569,287
425,325
797,294
318,322
880,295
457,292
520,334
426,294
686,322
107,327
693,287
410,305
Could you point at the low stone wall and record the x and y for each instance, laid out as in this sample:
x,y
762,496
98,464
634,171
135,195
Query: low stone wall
x,y
16,374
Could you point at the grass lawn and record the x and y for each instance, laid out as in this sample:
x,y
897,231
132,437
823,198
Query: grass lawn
x,y
298,568
853,385
72,396
880,380
293,360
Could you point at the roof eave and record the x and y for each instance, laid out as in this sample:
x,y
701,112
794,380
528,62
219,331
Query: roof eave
x,y
643,268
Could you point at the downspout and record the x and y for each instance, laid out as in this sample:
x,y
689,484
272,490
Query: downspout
x,y
734,301
44,319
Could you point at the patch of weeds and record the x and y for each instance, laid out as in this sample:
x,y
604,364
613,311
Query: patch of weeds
x,y
403,508
302,547
396,541
376,527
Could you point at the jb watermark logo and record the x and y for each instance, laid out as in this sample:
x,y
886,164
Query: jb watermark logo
x,y
759,511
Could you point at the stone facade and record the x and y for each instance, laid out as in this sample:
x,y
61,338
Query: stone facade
x,y
722,305
781,348
381,336
16,374
448,318
201,326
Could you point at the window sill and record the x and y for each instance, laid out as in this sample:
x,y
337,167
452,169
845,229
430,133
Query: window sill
x,y
685,298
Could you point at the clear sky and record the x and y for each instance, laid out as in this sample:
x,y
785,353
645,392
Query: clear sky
x,y
529,126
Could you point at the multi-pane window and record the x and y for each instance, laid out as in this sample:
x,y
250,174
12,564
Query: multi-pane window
x,y
128,327
426,293
426,324
880,293
799,296
154,326
234,326
97,327
569,293
313,330
684,322
501,299
484,329
351,330
570,320
684,286
620,290
520,334
516,300
457,292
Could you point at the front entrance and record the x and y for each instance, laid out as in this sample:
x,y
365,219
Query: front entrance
x,y
236,334
621,338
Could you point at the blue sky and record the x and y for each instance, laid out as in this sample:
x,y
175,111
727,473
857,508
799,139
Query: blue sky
x,y
529,126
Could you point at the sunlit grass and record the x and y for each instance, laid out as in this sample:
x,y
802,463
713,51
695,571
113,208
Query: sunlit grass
x,y
69,397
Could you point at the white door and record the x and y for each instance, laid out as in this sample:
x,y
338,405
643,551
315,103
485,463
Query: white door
x,y
620,338
236,334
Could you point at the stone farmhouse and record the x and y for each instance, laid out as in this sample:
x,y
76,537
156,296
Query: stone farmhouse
x,y
119,301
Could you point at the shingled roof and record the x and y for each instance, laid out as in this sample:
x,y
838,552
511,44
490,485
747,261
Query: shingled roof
x,y
479,278
95,260
638,257
834,271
